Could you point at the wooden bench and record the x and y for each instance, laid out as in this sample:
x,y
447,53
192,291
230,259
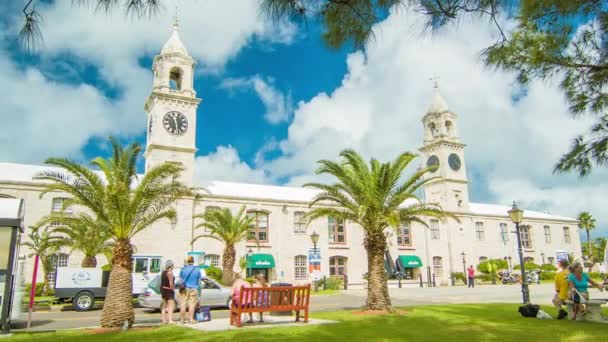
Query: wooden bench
x,y
270,299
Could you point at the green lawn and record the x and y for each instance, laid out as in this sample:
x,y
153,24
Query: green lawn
x,y
481,322
323,292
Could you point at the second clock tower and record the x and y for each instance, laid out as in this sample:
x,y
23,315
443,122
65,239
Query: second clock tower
x,y
442,148
171,109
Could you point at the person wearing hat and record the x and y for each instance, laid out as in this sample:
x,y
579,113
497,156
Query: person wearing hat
x,y
167,291
190,277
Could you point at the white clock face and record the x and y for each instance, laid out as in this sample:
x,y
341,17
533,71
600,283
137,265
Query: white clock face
x,y
175,123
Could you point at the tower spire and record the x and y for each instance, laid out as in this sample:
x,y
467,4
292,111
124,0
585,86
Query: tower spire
x,y
438,104
176,18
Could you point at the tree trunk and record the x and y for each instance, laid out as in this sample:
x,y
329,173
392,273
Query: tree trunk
x,y
89,262
377,291
228,259
589,246
118,305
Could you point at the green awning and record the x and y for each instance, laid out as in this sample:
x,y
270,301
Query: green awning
x,y
410,261
261,261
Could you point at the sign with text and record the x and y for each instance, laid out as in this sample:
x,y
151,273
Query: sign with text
x,y
314,263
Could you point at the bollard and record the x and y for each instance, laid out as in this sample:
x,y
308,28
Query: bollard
x,y
420,277
400,280
345,282
434,280
453,280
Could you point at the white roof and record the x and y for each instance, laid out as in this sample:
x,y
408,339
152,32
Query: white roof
x,y
438,104
10,172
174,44
502,210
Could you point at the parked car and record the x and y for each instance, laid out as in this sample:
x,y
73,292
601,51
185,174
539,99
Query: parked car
x,y
212,294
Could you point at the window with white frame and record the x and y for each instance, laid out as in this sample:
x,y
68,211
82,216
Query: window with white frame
x,y
404,234
551,260
479,231
504,234
438,266
547,231
529,259
212,260
57,260
336,231
57,206
258,230
526,237
299,222
567,234
435,235
482,259
300,267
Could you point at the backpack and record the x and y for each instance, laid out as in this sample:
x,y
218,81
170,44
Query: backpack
x,y
529,310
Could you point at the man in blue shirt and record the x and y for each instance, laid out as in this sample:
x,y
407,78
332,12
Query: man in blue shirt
x,y
190,277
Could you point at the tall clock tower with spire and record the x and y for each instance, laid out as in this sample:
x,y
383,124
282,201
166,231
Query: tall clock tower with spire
x,y
443,149
171,108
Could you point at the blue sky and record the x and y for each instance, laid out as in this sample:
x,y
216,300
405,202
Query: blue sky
x,y
275,100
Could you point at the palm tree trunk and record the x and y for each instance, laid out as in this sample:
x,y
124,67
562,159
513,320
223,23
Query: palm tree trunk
x,y
118,305
89,262
377,292
228,259
589,245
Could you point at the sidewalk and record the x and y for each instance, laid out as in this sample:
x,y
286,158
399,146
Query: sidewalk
x,y
222,324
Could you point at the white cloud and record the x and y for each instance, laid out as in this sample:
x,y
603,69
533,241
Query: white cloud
x,y
278,105
224,164
58,119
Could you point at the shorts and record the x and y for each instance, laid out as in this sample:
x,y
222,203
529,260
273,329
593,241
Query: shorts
x,y
188,297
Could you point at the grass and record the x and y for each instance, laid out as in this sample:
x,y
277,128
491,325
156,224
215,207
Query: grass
x,y
480,322
323,292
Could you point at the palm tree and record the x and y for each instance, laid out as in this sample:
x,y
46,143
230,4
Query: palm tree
x,y
81,232
587,222
43,243
229,229
123,205
374,198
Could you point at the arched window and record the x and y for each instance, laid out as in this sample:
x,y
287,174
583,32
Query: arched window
x,y
337,266
551,260
433,129
526,237
482,259
438,266
258,230
300,267
528,259
212,260
175,79
449,127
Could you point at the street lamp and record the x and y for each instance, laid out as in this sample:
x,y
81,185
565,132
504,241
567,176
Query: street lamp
x,y
249,255
314,237
517,215
464,268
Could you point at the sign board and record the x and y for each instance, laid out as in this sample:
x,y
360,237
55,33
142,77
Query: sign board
x,y
316,275
78,277
314,257
314,263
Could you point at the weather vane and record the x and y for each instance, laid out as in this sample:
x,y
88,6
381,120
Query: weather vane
x,y
435,80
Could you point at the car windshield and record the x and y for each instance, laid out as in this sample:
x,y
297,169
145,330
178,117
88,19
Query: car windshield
x,y
208,284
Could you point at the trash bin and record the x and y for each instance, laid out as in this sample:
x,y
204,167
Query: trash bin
x,y
274,299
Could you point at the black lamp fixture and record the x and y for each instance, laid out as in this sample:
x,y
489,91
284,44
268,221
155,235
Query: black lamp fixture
x,y
517,216
249,255
314,238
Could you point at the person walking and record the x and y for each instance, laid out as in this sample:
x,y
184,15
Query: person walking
x,y
561,288
262,297
167,291
190,277
471,276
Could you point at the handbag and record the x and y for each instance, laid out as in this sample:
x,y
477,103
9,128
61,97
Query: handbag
x,y
529,310
203,314
182,286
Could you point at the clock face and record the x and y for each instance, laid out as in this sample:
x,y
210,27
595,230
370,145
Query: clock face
x,y
454,161
175,123
433,161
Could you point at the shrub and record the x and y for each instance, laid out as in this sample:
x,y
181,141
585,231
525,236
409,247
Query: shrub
x,y
331,283
214,273
459,276
250,280
597,275
484,277
38,291
497,264
529,266
547,275
107,267
548,267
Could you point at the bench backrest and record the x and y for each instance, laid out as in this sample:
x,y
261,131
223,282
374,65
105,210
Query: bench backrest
x,y
279,297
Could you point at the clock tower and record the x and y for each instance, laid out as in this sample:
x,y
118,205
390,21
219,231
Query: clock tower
x,y
171,109
442,148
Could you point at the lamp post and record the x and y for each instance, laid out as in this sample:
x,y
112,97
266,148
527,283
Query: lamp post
x,y
314,238
517,215
464,268
542,255
249,255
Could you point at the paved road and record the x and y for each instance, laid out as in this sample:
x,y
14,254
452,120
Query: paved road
x,y
351,299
